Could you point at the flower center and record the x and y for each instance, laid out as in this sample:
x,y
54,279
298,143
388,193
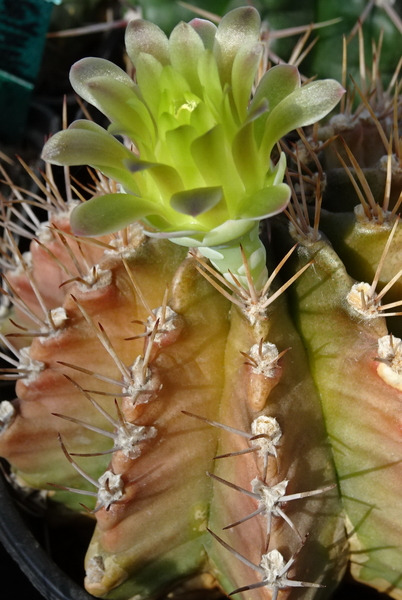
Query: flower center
x,y
189,106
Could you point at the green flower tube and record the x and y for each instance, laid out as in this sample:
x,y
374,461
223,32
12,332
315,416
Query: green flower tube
x,y
200,172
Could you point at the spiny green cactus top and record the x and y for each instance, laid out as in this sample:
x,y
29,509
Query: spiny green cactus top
x,y
200,171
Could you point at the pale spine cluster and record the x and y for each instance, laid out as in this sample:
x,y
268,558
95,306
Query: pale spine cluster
x,y
264,438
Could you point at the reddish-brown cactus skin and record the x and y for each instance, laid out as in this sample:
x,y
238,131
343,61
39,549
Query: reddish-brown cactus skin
x,y
303,460
159,524
114,306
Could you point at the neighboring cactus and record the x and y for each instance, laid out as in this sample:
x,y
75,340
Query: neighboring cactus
x,y
184,398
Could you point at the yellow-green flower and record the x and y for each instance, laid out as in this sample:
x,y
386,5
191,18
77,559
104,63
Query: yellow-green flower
x,y
200,171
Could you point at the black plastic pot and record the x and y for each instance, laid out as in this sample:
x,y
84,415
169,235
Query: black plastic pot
x,y
44,574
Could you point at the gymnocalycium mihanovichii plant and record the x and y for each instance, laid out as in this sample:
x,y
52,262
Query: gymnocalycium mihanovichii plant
x,y
230,424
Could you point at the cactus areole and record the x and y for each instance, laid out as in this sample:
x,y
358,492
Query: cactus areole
x,y
220,436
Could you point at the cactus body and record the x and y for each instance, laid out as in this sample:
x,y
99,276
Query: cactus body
x,y
167,499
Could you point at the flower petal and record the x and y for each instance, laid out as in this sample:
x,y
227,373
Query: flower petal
x,y
174,86
87,125
257,111
178,143
185,48
109,213
167,179
248,160
201,118
83,145
279,170
145,37
244,70
197,201
210,81
227,232
206,30
148,73
302,107
237,28
122,106
265,203
87,69
277,83
213,157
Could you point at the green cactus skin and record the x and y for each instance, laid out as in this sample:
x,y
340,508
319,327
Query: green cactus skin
x,y
342,348
359,243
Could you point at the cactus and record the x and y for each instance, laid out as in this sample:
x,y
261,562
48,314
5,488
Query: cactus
x,y
220,397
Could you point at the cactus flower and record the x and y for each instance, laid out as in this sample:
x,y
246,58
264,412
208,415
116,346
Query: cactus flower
x,y
198,169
